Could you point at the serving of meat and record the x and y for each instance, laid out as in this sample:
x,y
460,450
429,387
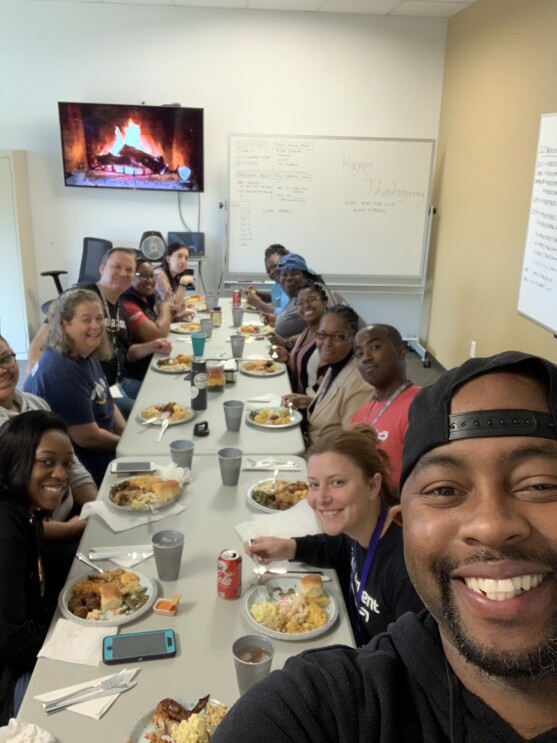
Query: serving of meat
x,y
169,712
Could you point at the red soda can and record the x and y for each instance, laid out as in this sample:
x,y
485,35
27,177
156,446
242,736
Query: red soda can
x,y
229,574
236,297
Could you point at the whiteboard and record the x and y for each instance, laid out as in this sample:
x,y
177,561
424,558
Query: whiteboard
x,y
356,209
538,286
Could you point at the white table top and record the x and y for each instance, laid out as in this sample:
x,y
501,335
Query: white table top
x,y
206,625
158,388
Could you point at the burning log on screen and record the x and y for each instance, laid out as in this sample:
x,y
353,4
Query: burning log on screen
x,y
130,157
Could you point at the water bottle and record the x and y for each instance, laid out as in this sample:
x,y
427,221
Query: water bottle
x,y
198,383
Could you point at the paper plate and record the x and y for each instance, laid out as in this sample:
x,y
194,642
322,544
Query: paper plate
x,y
274,585
185,328
296,415
144,726
171,422
63,598
276,370
260,507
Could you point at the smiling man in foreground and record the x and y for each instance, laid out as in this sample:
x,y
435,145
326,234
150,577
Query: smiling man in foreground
x,y
479,513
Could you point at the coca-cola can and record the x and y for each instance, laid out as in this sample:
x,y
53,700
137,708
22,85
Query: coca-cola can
x,y
236,297
229,574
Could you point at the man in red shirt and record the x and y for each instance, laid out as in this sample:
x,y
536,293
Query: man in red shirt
x,y
381,353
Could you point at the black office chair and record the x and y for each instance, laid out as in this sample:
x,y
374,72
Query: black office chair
x,y
94,249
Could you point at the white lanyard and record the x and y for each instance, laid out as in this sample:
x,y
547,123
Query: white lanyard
x,y
388,402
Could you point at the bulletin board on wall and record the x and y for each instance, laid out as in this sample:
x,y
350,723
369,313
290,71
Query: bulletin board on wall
x,y
538,285
357,209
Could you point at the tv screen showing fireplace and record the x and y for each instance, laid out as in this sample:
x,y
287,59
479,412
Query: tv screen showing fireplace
x,y
106,145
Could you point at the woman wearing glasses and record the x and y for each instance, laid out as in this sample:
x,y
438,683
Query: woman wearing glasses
x,y
146,322
303,359
340,390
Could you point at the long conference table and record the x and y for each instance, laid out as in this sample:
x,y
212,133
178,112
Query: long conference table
x,y
206,625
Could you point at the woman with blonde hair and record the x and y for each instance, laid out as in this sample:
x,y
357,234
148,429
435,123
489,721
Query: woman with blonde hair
x,y
351,494
69,376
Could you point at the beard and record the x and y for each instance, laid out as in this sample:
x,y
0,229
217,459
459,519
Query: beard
x,y
523,665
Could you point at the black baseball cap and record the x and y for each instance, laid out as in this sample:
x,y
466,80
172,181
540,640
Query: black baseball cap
x,y
430,423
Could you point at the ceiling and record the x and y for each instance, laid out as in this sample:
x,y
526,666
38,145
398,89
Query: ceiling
x,y
413,8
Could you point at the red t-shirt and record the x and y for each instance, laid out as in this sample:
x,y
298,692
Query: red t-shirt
x,y
391,426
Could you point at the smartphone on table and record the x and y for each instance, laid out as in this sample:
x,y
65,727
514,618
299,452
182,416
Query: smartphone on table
x,y
128,468
136,646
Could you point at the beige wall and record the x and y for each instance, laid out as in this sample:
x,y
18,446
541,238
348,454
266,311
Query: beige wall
x,y
500,76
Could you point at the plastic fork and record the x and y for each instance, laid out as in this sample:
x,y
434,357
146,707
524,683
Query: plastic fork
x,y
81,557
105,685
164,426
261,586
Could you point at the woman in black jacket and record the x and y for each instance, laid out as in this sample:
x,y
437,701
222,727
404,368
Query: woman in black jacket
x,y
36,458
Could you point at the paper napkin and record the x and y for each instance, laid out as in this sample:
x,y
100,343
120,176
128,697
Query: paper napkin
x,y
268,400
94,708
75,643
17,731
123,521
296,522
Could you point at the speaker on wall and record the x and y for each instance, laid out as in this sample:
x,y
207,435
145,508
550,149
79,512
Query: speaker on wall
x,y
194,241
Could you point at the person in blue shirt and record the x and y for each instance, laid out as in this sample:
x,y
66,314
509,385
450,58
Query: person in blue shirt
x,y
275,301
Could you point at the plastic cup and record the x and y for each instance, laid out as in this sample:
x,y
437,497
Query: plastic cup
x,y
181,452
237,316
237,343
211,300
167,547
230,463
233,413
207,326
198,343
253,656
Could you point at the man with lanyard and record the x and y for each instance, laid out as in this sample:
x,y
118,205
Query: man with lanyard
x,y
381,352
116,275
479,517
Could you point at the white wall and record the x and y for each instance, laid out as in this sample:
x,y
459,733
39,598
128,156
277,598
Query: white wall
x,y
252,72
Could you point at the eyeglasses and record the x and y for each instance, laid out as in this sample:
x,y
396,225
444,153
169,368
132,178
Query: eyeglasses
x,y
333,337
7,360
144,276
309,300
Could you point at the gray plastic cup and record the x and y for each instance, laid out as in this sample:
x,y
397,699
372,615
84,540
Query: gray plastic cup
x,y
230,462
237,316
253,656
207,326
233,413
167,547
181,452
237,343
211,300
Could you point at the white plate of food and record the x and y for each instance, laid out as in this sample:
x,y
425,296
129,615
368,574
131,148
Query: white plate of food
x,y
261,368
173,364
255,330
185,328
160,721
178,414
270,496
144,493
274,418
107,599
298,609
196,302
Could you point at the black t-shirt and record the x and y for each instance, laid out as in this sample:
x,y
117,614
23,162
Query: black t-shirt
x,y
388,592
118,333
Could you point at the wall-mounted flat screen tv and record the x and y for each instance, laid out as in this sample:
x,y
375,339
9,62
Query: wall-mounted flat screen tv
x,y
105,145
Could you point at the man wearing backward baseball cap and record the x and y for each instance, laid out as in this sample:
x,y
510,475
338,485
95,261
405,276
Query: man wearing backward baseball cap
x,y
479,514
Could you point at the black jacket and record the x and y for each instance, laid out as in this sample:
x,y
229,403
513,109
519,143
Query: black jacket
x,y
24,618
397,689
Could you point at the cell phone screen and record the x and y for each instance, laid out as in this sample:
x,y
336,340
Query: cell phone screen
x,y
140,645
132,467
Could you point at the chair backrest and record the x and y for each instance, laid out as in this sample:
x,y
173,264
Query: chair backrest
x,y
94,249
